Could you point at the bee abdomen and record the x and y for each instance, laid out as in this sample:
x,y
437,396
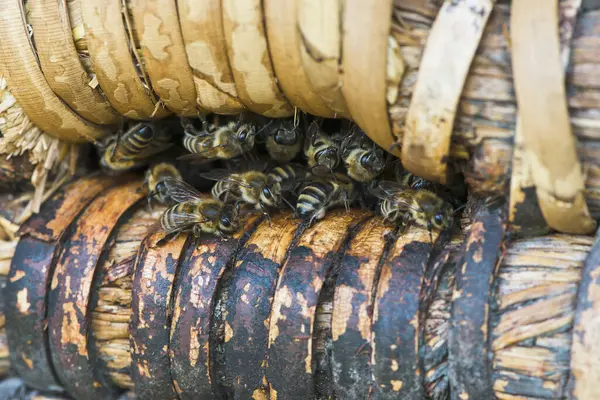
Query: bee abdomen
x,y
193,144
138,141
220,190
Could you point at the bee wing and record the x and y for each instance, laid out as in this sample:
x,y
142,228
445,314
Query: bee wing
x,y
181,191
385,189
223,175
183,221
216,174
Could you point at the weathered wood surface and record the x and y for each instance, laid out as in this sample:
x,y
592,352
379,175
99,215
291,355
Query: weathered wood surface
x,y
469,329
30,274
149,327
201,269
290,354
111,300
482,142
345,324
70,290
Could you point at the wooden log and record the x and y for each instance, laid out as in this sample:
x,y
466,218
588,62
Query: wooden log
x,y
111,300
201,269
248,307
290,353
69,295
396,320
351,322
30,274
468,337
154,273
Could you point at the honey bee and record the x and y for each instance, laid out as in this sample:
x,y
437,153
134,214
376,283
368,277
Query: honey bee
x,y
321,150
197,213
284,140
262,190
214,141
422,207
364,160
323,194
155,180
134,147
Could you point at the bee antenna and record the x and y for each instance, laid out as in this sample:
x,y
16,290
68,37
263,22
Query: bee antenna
x,y
288,203
264,127
460,208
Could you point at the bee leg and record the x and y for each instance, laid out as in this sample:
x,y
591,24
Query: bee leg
x,y
119,134
391,235
430,229
266,213
346,201
406,220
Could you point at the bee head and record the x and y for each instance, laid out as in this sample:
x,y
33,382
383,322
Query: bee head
x,y
286,137
228,220
443,218
270,195
328,157
245,135
372,161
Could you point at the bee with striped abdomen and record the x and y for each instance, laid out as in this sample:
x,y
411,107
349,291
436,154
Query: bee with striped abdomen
x,y
322,194
215,141
364,160
197,213
402,205
321,150
262,190
134,147
155,180
284,140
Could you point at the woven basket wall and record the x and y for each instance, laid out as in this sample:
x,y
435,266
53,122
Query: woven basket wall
x,y
503,95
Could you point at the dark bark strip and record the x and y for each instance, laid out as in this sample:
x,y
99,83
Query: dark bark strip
x,y
248,308
396,321
155,269
352,310
201,269
468,339
69,296
290,355
29,278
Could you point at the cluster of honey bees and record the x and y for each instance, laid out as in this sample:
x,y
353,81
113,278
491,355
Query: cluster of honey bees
x,y
304,163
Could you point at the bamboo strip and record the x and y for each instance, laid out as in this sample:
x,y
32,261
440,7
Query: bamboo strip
x,y
110,50
445,63
159,34
550,146
60,62
29,86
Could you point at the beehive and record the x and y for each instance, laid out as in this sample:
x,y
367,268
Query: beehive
x,y
503,93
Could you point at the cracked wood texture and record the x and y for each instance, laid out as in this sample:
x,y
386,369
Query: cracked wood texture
x,y
469,329
535,334
290,355
532,316
154,272
351,322
200,271
395,356
69,296
30,275
484,128
111,300
248,307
